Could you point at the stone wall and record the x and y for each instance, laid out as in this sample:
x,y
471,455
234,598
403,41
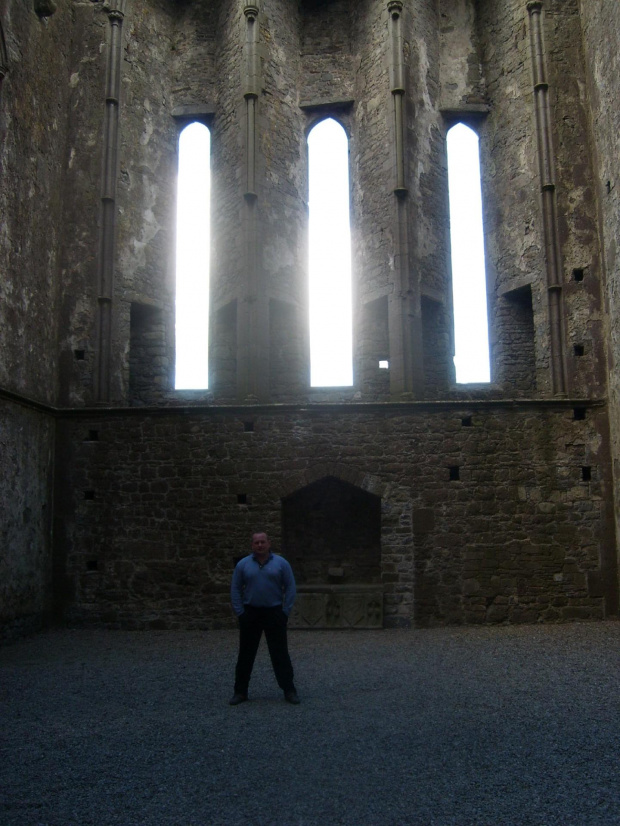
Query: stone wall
x,y
35,93
489,513
26,504
516,239
34,108
601,37
577,202
461,61
497,502
82,205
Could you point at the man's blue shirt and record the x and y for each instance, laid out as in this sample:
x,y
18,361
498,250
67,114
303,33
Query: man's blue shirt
x,y
263,586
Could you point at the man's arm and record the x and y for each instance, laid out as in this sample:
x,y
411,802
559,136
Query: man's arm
x,y
236,589
289,587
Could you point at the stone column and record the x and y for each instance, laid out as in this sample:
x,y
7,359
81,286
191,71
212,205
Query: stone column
x,y
108,204
253,308
405,328
546,164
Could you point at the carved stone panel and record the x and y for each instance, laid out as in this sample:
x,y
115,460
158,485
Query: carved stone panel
x,y
333,606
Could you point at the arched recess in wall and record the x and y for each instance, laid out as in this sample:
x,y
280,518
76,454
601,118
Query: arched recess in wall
x,y
469,287
331,534
331,349
193,244
333,524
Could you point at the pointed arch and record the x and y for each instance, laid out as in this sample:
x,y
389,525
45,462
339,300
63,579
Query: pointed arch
x,y
469,286
331,348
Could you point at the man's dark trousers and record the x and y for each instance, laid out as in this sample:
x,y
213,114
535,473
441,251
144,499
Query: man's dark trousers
x,y
252,623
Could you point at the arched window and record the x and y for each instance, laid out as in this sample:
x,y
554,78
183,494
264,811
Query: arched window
x,y
471,331
192,259
331,360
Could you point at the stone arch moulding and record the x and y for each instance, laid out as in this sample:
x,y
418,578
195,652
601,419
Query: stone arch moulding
x,y
354,476
341,117
386,601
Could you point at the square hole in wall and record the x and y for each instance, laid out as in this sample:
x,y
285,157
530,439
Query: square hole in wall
x,y
248,427
466,421
80,355
579,414
578,349
92,565
242,499
93,436
586,473
578,274
384,364
89,494
454,473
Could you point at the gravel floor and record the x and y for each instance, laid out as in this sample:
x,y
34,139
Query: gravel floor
x,y
435,727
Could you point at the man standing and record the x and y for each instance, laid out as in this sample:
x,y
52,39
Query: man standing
x,y
262,593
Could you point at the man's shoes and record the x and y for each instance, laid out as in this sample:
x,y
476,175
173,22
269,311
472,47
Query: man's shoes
x,y
292,697
236,699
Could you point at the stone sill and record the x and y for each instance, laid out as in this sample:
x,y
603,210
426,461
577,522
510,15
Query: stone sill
x,y
409,405
337,588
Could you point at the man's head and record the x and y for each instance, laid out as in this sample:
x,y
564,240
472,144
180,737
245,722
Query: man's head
x,y
260,544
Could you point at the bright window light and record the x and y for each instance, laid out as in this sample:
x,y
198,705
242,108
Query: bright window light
x,y
331,357
471,332
192,261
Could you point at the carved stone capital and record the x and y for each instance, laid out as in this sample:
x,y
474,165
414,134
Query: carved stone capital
x,y
534,6
395,8
251,12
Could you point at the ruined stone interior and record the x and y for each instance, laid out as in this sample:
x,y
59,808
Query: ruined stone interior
x,y
405,499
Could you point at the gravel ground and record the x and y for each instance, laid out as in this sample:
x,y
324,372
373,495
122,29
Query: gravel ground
x,y
510,725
